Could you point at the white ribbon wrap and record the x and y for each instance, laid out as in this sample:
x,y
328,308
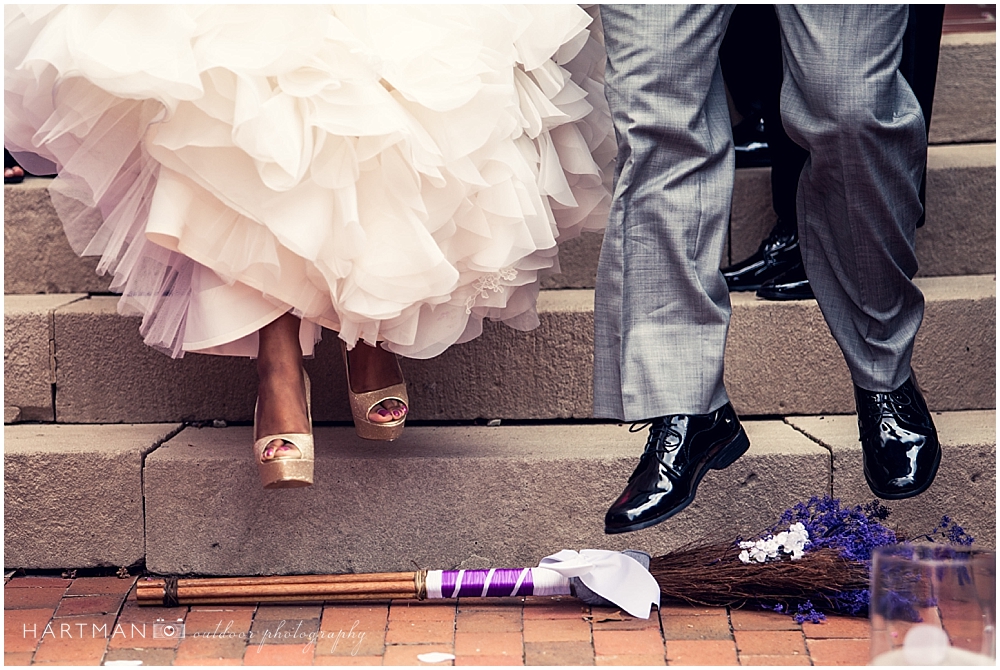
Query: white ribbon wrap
x,y
611,575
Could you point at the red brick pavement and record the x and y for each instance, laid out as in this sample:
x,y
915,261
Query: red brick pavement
x,y
92,620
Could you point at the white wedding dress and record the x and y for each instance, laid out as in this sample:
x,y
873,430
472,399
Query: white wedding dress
x,y
394,173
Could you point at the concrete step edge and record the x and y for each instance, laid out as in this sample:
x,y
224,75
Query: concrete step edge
x,y
443,497
775,356
959,237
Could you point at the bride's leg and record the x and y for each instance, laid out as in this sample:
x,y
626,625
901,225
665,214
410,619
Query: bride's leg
x,y
374,368
281,401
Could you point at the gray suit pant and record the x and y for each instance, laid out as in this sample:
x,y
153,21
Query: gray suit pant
x,y
662,307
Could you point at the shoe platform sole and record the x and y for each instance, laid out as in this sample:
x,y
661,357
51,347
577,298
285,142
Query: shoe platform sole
x,y
286,473
909,494
722,460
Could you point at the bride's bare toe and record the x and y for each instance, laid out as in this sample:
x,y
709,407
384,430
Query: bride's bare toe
x,y
387,411
280,449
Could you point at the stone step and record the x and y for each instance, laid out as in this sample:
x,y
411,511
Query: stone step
x,y
439,497
958,238
80,354
965,102
73,495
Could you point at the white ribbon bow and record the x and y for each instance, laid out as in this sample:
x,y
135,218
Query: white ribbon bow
x,y
611,575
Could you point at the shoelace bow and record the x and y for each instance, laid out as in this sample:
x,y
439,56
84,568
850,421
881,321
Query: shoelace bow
x,y
656,444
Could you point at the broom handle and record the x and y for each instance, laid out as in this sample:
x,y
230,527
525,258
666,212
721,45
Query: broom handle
x,y
250,600
291,589
278,589
377,586
293,579
423,584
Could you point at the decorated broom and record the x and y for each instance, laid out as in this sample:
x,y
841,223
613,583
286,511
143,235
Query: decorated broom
x,y
820,563
621,578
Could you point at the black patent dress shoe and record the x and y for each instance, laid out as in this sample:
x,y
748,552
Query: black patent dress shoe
x,y
750,143
792,284
680,450
776,254
898,440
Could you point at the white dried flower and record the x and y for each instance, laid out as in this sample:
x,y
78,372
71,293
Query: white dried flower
x,y
759,551
791,541
796,540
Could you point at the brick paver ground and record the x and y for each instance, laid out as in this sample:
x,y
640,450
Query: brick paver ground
x,y
95,620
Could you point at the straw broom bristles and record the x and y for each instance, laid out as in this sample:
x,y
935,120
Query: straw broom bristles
x,y
714,576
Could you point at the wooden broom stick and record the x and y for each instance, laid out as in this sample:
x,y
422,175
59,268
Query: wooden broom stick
x,y
289,579
221,590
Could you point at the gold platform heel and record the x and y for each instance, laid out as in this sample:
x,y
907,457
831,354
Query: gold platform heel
x,y
286,472
363,403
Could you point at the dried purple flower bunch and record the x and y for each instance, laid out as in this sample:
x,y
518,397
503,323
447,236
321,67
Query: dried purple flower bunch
x,y
816,559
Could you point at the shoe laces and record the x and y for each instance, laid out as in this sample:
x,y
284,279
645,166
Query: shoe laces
x,y
888,404
772,241
657,446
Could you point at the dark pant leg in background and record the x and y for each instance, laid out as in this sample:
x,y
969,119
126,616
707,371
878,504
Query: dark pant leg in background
x,y
751,66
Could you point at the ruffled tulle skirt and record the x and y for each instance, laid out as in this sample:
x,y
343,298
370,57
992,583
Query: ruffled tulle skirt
x,y
394,173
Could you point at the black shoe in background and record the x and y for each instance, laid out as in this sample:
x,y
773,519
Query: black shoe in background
x,y
680,450
792,284
898,440
750,143
775,255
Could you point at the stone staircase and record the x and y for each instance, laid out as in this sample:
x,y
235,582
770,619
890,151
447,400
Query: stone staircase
x,y
111,458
